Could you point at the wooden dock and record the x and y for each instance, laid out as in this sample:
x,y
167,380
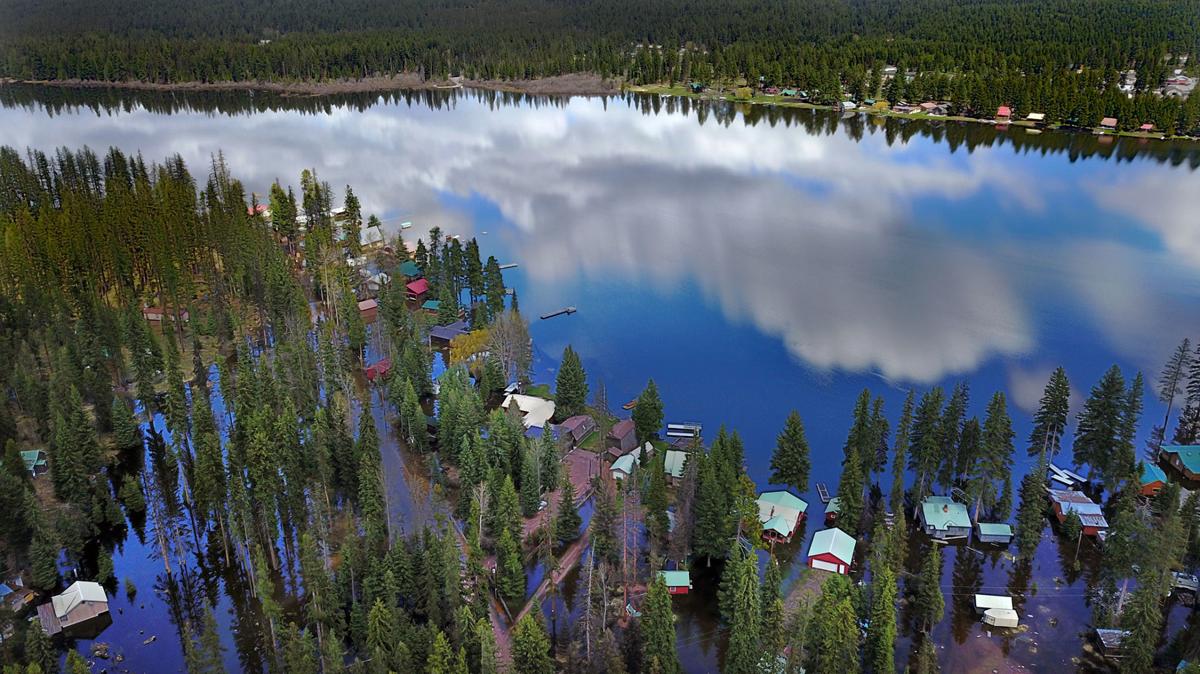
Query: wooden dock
x,y
823,492
560,312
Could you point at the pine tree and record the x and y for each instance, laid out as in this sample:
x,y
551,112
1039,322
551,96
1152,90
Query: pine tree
x,y
927,662
39,650
996,448
1030,512
510,580
299,651
441,656
531,484
900,455
655,502
930,604
1099,441
790,464
126,432
831,639
76,664
658,629
648,413
712,532
850,495
880,653
531,647
568,520
772,630
925,442
744,654
1172,381
570,389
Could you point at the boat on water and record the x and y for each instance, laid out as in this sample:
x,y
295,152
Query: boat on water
x,y
560,312
630,405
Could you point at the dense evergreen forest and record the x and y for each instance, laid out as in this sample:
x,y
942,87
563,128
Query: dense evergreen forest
x,y
1060,57
232,427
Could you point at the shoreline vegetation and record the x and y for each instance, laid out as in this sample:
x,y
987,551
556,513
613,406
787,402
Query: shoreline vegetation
x,y
574,84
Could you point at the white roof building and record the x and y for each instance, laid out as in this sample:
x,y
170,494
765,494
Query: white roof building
x,y
79,603
536,411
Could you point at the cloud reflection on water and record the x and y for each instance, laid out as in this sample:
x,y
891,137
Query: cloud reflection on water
x,y
820,240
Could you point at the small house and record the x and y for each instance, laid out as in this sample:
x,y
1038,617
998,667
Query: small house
x,y
371,238
431,306
575,429
781,513
1183,458
1112,642
790,93
994,532
377,281
535,411
157,314
80,603
623,466
1109,124
1152,479
368,309
262,210
1036,117
696,87
678,582
1146,128
1065,501
944,518
1003,114
832,509
622,436
410,270
35,461
984,602
771,91
832,550
674,463
378,370
415,290
444,334
1001,617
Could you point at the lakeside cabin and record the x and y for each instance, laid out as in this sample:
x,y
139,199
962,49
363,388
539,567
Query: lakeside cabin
x,y
1003,114
157,314
678,582
1151,480
370,238
994,532
781,513
35,461
368,309
378,370
1036,117
535,411
831,550
1183,458
674,463
431,306
997,610
575,429
832,508
624,465
80,603
444,334
415,290
622,436
1108,124
1090,514
1112,642
944,518
410,270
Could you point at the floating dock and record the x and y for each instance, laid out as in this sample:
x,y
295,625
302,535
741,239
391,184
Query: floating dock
x,y
560,312
688,429
823,492
510,265
630,405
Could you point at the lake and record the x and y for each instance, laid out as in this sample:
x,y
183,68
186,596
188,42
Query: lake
x,y
751,261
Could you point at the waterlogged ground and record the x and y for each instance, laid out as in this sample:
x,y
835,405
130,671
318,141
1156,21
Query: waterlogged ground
x,y
751,262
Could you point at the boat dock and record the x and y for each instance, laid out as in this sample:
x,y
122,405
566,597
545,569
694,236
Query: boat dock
x,y
823,492
560,312
689,429
510,265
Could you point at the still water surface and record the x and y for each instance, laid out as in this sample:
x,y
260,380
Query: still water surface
x,y
751,262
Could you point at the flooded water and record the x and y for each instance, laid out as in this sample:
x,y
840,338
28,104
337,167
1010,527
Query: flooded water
x,y
751,262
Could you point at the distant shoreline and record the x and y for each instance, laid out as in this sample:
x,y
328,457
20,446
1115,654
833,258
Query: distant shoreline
x,y
567,85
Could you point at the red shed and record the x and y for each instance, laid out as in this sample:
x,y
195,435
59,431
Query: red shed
x,y
417,288
378,369
1003,114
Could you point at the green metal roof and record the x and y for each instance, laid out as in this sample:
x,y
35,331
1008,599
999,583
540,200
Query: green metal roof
x,y
624,463
942,512
410,269
835,542
834,506
783,498
673,463
676,578
788,92
779,525
432,305
33,458
994,529
1152,473
1189,455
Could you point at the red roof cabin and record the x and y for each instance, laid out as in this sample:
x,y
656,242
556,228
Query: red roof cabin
x,y
1109,123
1146,127
257,209
1003,114
368,309
378,369
1090,514
417,288
623,436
